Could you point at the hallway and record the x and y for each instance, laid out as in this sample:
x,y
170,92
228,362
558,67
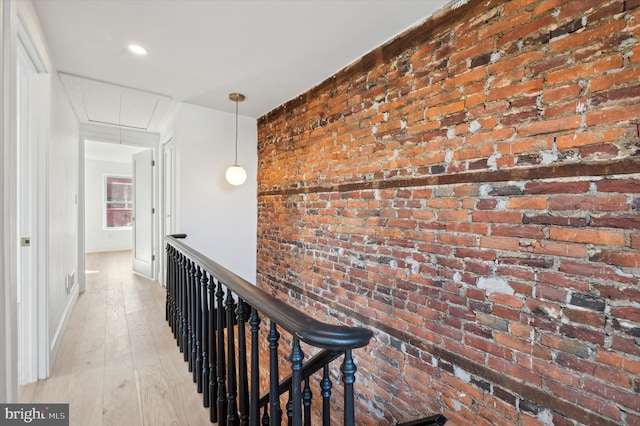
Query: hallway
x,y
118,363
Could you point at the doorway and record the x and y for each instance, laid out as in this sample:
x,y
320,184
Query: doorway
x,y
104,162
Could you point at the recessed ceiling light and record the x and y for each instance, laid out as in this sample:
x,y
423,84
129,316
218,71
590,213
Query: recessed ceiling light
x,y
137,49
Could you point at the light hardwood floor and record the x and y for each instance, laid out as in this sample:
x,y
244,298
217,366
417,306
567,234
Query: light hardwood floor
x,y
118,363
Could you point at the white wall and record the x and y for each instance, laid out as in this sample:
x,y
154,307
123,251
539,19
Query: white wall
x,y
98,239
63,183
219,219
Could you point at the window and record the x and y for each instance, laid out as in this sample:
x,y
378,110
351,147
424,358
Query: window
x,y
118,202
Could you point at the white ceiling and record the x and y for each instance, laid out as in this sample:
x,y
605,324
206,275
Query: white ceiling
x,y
201,50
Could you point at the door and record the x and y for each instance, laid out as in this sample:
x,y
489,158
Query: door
x,y
143,257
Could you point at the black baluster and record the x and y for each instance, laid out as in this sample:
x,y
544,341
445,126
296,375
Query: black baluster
x,y
184,347
197,371
243,391
325,391
232,413
167,306
254,322
289,408
188,312
174,296
348,369
193,284
265,417
274,386
296,358
205,340
306,401
222,387
213,382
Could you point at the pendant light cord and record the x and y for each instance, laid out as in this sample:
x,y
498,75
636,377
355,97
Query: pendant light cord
x,y
120,119
236,163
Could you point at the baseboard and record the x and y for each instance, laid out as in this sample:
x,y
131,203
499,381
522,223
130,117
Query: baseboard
x,y
56,340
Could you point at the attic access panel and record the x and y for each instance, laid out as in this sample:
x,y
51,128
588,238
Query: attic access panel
x,y
104,103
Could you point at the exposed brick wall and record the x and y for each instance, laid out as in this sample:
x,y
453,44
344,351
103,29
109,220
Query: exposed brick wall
x,y
471,192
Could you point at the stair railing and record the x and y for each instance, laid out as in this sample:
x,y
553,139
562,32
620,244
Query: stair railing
x,y
215,316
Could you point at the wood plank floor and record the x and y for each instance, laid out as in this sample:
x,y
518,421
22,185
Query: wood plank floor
x,y
118,363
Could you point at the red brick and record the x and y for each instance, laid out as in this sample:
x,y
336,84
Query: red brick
x,y
627,313
589,203
550,126
619,185
530,87
594,271
613,115
610,393
598,237
572,41
590,318
501,26
618,361
556,187
559,249
620,258
496,217
555,94
513,370
608,81
584,70
534,232
508,244
562,280
534,28
583,400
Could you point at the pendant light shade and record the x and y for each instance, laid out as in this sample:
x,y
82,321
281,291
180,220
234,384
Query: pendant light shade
x,y
235,174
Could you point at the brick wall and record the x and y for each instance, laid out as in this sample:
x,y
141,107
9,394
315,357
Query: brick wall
x,y
471,192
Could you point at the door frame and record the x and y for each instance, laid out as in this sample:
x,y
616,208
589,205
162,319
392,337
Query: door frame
x,y
33,319
168,194
124,136
8,332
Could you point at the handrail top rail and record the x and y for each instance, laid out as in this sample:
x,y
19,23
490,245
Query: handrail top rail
x,y
299,324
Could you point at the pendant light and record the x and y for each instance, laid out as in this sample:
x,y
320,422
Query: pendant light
x,y
235,174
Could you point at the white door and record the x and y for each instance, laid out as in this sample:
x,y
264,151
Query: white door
x,y
143,257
